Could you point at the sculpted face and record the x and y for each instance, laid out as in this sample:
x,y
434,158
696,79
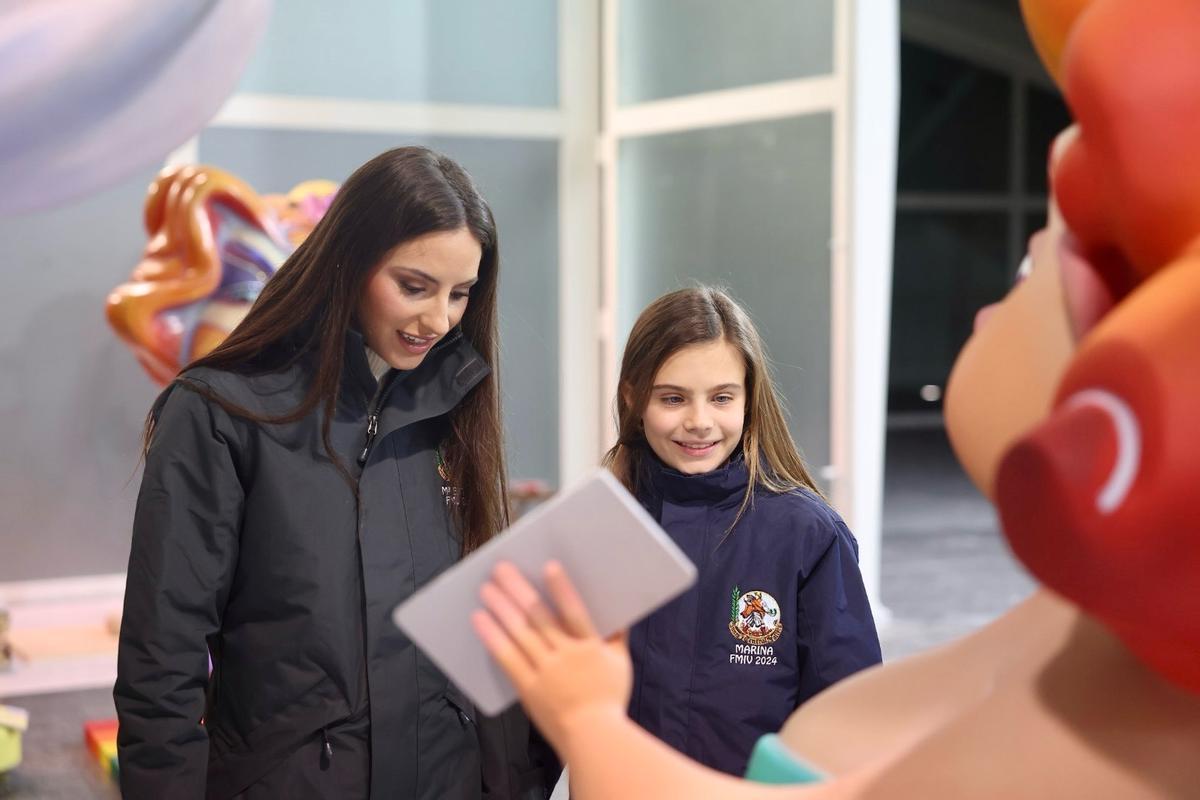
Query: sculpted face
x,y
1004,380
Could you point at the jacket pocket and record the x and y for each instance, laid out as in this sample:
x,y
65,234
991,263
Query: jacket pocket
x,y
237,761
462,706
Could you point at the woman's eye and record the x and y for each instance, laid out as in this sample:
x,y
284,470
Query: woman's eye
x,y
722,399
460,296
410,288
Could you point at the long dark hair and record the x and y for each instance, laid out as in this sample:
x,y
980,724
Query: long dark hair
x,y
696,316
309,304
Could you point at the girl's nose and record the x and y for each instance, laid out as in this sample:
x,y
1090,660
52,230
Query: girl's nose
x,y
698,421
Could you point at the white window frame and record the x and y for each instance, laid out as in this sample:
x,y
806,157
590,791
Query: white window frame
x,y
588,125
862,100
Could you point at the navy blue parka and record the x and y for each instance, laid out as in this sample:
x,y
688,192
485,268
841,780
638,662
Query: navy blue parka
x,y
779,612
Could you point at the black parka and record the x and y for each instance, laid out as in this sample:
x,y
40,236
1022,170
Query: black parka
x,y
250,545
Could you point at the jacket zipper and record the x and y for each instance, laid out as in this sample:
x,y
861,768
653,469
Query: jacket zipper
x,y
382,395
328,747
373,419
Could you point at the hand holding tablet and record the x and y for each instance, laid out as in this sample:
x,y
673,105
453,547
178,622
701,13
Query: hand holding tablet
x,y
620,561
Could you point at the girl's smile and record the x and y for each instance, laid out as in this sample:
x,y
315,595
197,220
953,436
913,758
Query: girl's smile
x,y
697,449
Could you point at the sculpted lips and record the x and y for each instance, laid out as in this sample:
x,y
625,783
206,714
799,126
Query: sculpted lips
x,y
1088,298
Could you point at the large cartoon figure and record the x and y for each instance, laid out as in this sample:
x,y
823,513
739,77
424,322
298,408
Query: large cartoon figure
x,y
1075,407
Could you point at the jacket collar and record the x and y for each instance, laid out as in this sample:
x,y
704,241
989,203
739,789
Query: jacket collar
x,y
442,379
725,483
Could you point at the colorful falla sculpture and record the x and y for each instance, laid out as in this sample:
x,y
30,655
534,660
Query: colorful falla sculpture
x,y
213,243
1075,407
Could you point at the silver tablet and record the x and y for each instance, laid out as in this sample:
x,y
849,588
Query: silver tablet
x,y
623,564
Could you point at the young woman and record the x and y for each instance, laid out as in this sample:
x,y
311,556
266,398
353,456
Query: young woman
x,y
338,450
779,611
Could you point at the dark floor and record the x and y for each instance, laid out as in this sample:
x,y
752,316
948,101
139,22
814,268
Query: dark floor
x,y
946,571
57,765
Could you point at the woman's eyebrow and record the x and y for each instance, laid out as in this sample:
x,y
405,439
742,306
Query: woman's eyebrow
x,y
426,276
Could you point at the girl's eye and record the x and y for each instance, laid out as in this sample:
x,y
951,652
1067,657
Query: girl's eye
x,y
410,288
460,296
672,399
722,399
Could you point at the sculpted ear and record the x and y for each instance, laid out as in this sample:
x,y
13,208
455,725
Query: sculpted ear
x,y
1101,499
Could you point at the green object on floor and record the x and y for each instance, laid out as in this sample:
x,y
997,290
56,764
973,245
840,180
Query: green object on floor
x,y
772,762
13,723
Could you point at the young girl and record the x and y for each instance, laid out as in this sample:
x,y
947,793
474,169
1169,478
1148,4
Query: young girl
x,y
779,611
338,450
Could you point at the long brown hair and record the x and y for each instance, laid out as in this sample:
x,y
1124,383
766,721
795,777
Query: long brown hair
x,y
695,316
309,305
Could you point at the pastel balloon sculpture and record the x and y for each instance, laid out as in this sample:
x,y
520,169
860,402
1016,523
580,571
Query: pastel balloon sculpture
x,y
92,92
1102,500
213,244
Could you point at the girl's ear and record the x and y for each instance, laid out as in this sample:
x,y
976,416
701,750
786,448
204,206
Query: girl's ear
x,y
626,393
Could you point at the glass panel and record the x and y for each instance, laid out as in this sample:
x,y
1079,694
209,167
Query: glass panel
x,y
947,266
437,51
668,48
954,124
746,207
1046,116
520,181
1031,223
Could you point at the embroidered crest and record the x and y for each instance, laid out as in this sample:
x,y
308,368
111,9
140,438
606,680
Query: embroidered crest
x,y
450,493
754,617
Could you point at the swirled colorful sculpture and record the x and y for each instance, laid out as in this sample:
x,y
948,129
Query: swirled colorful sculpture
x,y
213,244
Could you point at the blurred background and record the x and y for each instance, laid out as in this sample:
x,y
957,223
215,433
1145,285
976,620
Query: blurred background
x,y
862,174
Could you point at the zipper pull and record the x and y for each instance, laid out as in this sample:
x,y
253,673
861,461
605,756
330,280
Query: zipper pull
x,y
328,746
372,429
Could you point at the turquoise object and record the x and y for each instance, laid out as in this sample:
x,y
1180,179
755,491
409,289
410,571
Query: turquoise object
x,y
772,762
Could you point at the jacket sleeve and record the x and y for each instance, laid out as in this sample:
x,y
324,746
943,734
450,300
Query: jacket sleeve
x,y
185,537
837,635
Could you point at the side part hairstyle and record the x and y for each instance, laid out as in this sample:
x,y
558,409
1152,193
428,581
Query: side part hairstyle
x,y
308,306
697,316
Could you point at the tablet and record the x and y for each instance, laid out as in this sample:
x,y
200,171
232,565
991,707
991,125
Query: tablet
x,y
621,562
